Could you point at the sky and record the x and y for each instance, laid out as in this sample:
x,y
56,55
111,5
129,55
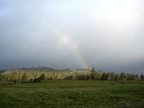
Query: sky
x,y
105,34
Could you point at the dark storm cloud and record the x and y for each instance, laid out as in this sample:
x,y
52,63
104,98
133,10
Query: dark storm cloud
x,y
53,33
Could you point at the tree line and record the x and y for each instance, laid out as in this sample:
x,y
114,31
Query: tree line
x,y
31,76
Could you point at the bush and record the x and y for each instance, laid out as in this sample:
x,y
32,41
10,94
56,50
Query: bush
x,y
39,79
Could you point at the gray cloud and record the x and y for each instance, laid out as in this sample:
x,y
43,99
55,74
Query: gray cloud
x,y
69,34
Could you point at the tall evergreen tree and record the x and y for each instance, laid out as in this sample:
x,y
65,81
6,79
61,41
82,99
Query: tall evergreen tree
x,y
142,76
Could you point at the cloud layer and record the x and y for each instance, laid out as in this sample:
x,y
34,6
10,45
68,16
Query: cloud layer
x,y
105,34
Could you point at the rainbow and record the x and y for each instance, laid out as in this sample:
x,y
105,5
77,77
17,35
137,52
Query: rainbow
x,y
81,59
76,50
68,41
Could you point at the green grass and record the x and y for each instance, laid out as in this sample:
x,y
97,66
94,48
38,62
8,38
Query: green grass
x,y
72,94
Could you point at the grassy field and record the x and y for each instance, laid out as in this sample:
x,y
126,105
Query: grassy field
x,y
72,94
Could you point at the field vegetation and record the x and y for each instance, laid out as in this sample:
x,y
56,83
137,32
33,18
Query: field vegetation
x,y
73,94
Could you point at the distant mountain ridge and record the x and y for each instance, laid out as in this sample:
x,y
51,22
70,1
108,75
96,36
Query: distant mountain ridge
x,y
1,71
36,69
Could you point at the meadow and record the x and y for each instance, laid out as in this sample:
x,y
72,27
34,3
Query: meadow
x,y
72,94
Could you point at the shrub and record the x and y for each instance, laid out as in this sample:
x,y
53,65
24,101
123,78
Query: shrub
x,y
39,79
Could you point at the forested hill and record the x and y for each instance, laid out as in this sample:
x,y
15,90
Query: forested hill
x,y
36,69
43,69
